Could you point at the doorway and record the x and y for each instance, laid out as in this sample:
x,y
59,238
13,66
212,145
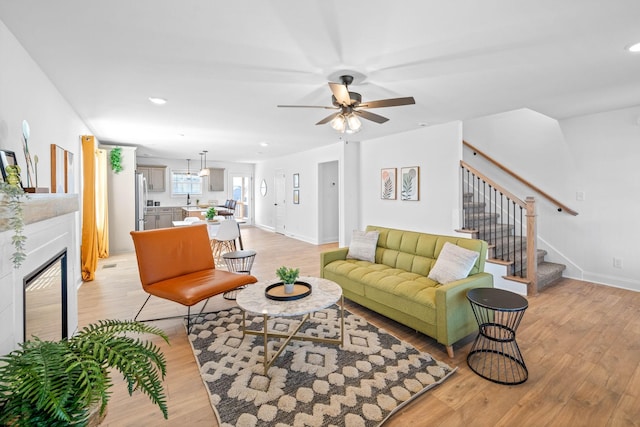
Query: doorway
x,y
328,202
242,192
280,201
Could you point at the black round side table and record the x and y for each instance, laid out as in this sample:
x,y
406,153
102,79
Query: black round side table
x,y
238,262
495,354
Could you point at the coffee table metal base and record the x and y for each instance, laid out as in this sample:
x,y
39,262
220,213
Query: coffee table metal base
x,y
293,335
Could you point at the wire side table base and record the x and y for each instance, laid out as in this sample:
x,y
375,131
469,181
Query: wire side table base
x,y
495,354
238,262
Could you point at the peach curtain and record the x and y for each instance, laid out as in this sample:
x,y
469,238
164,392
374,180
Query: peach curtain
x,y
102,205
89,245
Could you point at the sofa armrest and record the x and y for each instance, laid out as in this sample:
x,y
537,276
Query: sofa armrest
x,y
455,318
330,256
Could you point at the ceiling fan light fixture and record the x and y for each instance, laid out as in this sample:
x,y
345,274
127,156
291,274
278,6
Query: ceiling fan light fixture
x,y
354,122
339,123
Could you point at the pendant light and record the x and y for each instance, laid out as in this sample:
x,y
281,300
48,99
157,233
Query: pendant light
x,y
203,170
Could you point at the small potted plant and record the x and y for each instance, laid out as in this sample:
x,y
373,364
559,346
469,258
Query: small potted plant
x,y
64,383
211,213
288,277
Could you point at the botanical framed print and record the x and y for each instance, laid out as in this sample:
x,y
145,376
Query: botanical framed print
x,y
388,183
296,197
296,180
410,183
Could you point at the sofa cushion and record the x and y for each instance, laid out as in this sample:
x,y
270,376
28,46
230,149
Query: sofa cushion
x,y
454,263
363,245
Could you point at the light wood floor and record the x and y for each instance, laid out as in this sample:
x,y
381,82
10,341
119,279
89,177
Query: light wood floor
x,y
580,341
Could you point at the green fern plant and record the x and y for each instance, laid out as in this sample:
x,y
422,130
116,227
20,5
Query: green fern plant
x,y
55,383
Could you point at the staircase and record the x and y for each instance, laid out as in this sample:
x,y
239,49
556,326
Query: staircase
x,y
506,246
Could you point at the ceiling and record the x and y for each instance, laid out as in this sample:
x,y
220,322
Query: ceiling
x,y
225,66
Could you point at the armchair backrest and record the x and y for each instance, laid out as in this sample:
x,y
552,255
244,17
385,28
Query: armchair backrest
x,y
166,253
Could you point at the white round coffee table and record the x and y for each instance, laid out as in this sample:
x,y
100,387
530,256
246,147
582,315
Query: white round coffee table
x,y
252,300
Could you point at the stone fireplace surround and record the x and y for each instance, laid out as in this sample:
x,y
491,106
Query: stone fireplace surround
x,y
51,225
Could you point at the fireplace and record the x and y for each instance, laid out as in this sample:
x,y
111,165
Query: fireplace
x,y
45,300
52,248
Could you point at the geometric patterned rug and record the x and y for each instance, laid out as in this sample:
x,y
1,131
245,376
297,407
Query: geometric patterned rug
x,y
310,384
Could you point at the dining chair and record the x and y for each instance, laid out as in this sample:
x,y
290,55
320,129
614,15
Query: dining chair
x,y
225,238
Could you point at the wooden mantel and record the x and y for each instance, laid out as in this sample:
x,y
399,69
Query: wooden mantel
x,y
39,207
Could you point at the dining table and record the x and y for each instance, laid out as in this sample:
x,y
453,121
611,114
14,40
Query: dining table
x,y
212,227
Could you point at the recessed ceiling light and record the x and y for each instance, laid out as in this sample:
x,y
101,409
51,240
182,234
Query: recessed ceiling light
x,y
157,101
634,48
264,144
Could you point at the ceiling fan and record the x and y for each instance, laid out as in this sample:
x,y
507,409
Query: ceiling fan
x,y
350,107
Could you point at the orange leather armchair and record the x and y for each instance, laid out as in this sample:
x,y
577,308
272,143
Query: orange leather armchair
x,y
177,264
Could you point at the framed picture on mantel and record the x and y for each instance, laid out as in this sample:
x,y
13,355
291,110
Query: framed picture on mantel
x,y
58,169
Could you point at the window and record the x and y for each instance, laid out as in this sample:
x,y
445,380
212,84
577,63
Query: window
x,y
183,183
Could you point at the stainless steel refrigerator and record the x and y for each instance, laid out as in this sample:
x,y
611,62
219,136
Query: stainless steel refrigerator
x,y
141,200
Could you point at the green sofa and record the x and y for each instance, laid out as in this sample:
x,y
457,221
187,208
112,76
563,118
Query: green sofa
x,y
397,286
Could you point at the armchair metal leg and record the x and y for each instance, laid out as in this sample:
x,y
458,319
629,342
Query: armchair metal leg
x,y
189,325
145,303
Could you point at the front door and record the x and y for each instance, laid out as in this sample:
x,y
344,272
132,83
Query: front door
x,y
241,192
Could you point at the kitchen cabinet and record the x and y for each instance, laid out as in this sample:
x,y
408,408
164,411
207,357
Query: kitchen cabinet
x,y
159,217
194,212
216,179
155,177
177,214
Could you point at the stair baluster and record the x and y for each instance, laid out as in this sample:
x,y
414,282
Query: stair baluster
x,y
507,241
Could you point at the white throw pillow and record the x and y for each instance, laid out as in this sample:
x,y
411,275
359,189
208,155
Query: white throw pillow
x,y
363,245
453,263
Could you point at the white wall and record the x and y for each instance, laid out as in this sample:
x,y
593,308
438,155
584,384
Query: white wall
x,y
27,94
121,194
606,150
165,197
593,154
301,220
437,150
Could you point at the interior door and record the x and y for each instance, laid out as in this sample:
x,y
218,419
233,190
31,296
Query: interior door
x,y
280,201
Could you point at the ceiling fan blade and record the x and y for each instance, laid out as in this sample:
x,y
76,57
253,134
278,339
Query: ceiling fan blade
x,y
341,93
370,116
328,118
307,106
391,102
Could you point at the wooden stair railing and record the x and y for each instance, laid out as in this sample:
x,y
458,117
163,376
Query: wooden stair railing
x,y
483,191
561,207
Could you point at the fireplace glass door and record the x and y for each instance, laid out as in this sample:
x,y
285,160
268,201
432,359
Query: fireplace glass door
x,y
45,300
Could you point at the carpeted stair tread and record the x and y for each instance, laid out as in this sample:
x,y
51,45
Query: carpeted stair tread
x,y
504,247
